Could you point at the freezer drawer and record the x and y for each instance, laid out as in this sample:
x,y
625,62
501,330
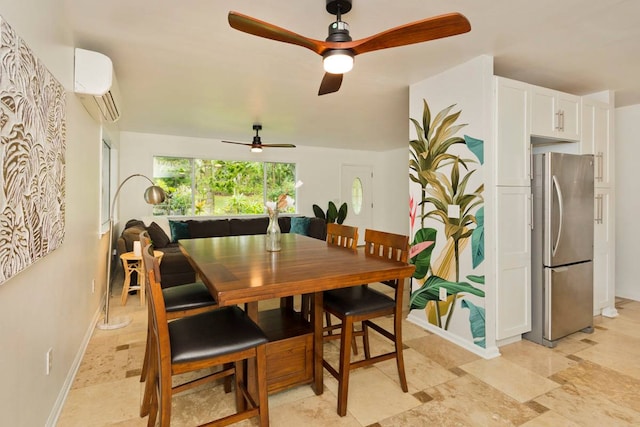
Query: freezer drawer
x,y
568,296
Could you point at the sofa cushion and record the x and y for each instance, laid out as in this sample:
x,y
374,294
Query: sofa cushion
x,y
179,230
317,228
132,234
158,237
285,223
208,228
300,225
245,226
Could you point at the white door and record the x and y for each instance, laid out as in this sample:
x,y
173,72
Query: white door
x,y
356,191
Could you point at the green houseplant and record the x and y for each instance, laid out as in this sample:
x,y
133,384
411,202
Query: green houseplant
x,y
333,213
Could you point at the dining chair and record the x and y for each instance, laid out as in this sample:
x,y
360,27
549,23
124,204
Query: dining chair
x,y
202,342
363,304
179,301
345,236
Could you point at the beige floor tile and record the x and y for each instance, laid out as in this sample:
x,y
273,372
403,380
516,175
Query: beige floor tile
x,y
616,351
536,358
500,373
587,407
314,411
465,401
421,371
102,404
613,386
373,396
550,419
441,351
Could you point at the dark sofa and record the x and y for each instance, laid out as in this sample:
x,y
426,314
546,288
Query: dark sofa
x,y
174,268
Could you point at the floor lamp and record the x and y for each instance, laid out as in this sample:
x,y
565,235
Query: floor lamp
x,y
152,195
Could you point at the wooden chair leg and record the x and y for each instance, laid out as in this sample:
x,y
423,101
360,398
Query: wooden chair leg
x,y
397,332
241,403
150,386
261,377
365,340
165,400
345,365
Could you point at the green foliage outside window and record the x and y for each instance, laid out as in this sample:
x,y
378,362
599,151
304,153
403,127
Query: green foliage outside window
x,y
219,187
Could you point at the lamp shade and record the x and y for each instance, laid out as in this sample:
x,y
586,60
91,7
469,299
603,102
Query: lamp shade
x,y
338,61
154,195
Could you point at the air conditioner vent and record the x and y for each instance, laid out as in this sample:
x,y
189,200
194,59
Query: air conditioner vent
x,y
96,86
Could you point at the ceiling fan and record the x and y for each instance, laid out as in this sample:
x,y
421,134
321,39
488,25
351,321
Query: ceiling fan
x,y
257,145
339,50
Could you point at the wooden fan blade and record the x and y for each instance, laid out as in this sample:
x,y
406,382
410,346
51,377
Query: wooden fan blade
x,y
432,28
259,28
278,145
238,143
330,83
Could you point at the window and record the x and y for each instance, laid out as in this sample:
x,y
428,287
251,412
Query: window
x,y
220,187
356,196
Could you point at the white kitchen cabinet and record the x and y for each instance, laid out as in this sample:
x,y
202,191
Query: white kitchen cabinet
x,y
513,146
554,114
597,139
604,253
513,261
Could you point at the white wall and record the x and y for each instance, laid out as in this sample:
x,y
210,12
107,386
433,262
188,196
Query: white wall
x,y
318,168
627,201
50,304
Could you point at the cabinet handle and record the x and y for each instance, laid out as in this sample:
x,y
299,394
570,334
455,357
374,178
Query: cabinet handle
x,y
600,157
530,211
558,120
599,201
562,120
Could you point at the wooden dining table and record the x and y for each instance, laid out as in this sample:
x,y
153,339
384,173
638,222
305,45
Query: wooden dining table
x,y
239,270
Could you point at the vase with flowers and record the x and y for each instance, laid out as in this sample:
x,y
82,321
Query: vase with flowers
x,y
273,229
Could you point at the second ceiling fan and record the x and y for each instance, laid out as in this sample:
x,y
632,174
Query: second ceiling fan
x,y
257,145
338,50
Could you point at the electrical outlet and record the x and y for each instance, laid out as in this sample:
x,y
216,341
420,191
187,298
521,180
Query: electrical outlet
x,y
453,211
443,294
49,361
93,286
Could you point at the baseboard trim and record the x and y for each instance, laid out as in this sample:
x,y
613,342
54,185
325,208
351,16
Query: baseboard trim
x,y
71,375
486,353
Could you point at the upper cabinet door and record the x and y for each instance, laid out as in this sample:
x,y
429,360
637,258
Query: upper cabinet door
x,y
597,139
513,147
554,114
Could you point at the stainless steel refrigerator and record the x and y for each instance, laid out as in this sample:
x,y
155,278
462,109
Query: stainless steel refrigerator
x,y
562,247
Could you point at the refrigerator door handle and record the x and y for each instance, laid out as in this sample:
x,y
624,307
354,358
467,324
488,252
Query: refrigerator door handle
x,y
556,186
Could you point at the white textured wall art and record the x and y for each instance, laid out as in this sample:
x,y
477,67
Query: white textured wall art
x,y
32,156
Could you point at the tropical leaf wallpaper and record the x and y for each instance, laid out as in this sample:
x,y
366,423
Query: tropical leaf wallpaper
x,y
446,210
32,154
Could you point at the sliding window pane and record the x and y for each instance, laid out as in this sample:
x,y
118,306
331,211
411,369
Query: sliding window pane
x,y
281,179
175,176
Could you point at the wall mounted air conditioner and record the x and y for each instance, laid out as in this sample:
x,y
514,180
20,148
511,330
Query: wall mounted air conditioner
x,y
96,86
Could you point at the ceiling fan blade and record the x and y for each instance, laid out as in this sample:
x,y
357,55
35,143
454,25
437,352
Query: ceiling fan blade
x,y
259,28
432,28
278,145
238,143
330,83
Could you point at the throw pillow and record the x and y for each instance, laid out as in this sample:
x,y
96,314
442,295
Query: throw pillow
x,y
300,225
158,237
179,230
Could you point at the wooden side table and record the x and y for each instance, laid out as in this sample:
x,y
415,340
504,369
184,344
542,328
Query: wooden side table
x,y
132,262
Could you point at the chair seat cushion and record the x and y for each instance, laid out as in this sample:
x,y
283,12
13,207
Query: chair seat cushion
x,y
356,300
187,297
211,334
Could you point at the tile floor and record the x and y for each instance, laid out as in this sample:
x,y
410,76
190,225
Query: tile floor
x,y
587,380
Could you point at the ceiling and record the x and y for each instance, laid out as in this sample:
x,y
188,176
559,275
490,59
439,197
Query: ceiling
x,y
182,70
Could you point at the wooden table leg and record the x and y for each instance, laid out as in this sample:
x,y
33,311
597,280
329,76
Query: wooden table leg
x,y
317,342
251,309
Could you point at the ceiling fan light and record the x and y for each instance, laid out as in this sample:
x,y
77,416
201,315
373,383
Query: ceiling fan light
x,y
256,149
338,61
